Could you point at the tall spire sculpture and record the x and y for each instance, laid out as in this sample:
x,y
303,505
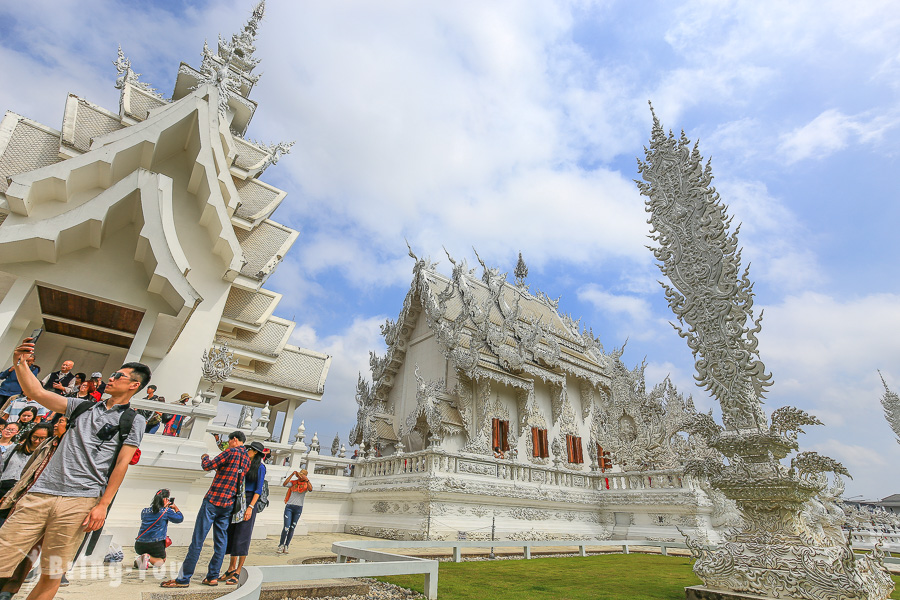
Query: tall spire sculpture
x,y
891,404
776,552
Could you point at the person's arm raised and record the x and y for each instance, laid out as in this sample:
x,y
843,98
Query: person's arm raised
x,y
31,386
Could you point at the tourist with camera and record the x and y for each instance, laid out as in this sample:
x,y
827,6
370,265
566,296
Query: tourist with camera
x,y
152,539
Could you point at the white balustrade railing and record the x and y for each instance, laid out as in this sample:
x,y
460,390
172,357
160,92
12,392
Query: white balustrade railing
x,y
434,461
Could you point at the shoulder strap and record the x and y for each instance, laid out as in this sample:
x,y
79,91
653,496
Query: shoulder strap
x,y
80,410
126,421
161,515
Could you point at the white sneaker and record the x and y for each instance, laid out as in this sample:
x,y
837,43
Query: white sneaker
x,y
280,550
144,563
138,560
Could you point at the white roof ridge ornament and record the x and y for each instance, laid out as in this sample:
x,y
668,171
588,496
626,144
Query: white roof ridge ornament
x,y
130,76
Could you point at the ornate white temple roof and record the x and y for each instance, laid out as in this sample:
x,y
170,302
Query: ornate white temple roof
x,y
491,329
258,200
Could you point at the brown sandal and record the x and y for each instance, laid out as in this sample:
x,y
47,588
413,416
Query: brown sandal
x,y
173,583
210,582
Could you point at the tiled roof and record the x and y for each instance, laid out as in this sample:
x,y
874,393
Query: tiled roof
x,y
84,122
385,431
261,244
295,369
266,341
30,147
256,198
248,155
141,103
248,307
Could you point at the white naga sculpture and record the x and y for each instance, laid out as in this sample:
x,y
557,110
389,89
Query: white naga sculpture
x,y
788,545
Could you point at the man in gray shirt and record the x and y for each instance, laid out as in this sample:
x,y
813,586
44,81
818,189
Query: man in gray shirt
x,y
73,493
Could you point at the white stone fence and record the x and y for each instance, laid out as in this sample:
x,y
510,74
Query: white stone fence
x,y
437,461
373,563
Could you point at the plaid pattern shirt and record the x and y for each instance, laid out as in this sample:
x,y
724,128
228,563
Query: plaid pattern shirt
x,y
230,466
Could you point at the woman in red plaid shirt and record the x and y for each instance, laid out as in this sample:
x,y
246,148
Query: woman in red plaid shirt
x,y
230,465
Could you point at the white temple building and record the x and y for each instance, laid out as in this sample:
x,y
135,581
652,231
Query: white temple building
x,y
145,234
493,413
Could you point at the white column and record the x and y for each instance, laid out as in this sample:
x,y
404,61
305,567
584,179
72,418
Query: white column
x,y
10,330
139,343
286,429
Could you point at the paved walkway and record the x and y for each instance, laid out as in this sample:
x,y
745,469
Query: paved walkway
x,y
122,581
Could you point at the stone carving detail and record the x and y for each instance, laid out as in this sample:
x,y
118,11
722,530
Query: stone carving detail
x,y
425,418
274,151
891,404
587,401
531,417
773,552
218,363
641,430
216,71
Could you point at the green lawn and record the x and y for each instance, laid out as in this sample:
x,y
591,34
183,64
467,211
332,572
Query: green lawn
x,y
600,577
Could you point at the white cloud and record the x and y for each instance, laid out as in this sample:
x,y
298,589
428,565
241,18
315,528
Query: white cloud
x,y
832,131
852,456
773,239
350,358
637,309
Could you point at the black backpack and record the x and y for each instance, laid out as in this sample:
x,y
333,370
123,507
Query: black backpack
x,y
263,501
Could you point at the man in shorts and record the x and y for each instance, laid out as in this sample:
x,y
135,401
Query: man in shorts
x,y
73,493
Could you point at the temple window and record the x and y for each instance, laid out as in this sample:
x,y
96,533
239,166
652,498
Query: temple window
x,y
500,434
573,449
603,459
540,447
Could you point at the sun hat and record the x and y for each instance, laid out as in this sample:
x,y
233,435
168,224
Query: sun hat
x,y
256,446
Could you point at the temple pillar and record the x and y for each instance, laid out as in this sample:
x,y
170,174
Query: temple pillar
x,y
139,342
288,420
11,330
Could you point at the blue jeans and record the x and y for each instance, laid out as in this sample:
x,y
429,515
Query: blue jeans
x,y
210,516
291,516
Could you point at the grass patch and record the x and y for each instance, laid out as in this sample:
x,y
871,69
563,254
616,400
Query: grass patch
x,y
599,577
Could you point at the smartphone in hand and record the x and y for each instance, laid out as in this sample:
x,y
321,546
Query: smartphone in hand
x,y
36,334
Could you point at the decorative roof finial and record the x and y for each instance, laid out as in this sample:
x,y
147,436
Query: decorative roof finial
x,y
239,51
521,272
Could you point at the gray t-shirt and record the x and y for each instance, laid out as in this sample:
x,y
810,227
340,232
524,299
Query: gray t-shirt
x,y
80,464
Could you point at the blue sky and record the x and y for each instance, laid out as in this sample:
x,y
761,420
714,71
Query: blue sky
x,y
513,126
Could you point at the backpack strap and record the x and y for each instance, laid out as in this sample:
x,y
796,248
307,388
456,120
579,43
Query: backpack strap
x,y
126,422
80,410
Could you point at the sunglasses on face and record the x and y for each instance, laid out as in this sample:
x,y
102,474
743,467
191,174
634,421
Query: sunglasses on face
x,y
118,375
